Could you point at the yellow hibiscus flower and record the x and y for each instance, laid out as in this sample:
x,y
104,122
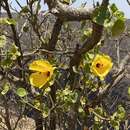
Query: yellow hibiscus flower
x,y
43,72
101,65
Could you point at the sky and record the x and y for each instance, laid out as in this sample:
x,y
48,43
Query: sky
x,y
121,4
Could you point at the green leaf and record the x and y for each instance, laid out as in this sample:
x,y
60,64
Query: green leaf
x,y
37,104
5,88
129,90
116,13
47,90
2,20
114,123
21,92
87,67
2,41
113,8
45,112
119,15
97,126
14,52
87,32
80,109
89,57
66,1
10,21
118,28
7,62
99,110
100,15
121,112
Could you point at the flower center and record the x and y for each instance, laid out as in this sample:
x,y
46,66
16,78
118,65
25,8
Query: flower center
x,y
98,65
48,73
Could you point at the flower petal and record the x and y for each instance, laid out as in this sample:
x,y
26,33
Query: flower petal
x,y
38,79
41,66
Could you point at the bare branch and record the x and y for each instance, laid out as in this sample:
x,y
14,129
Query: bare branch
x,y
68,13
55,33
71,14
91,42
128,2
88,44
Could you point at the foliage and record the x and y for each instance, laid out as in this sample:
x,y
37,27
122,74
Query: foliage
x,y
59,74
2,41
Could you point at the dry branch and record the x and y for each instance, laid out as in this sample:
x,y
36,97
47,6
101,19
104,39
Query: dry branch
x,y
68,13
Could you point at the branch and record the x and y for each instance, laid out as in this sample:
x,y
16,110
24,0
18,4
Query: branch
x,y
91,42
44,51
67,13
55,33
99,116
15,36
128,2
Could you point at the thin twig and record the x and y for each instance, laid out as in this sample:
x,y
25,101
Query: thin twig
x,y
128,2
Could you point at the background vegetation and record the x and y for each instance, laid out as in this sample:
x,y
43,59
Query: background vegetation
x,y
73,98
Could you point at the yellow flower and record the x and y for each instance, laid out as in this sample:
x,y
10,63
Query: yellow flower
x,y
101,65
43,72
